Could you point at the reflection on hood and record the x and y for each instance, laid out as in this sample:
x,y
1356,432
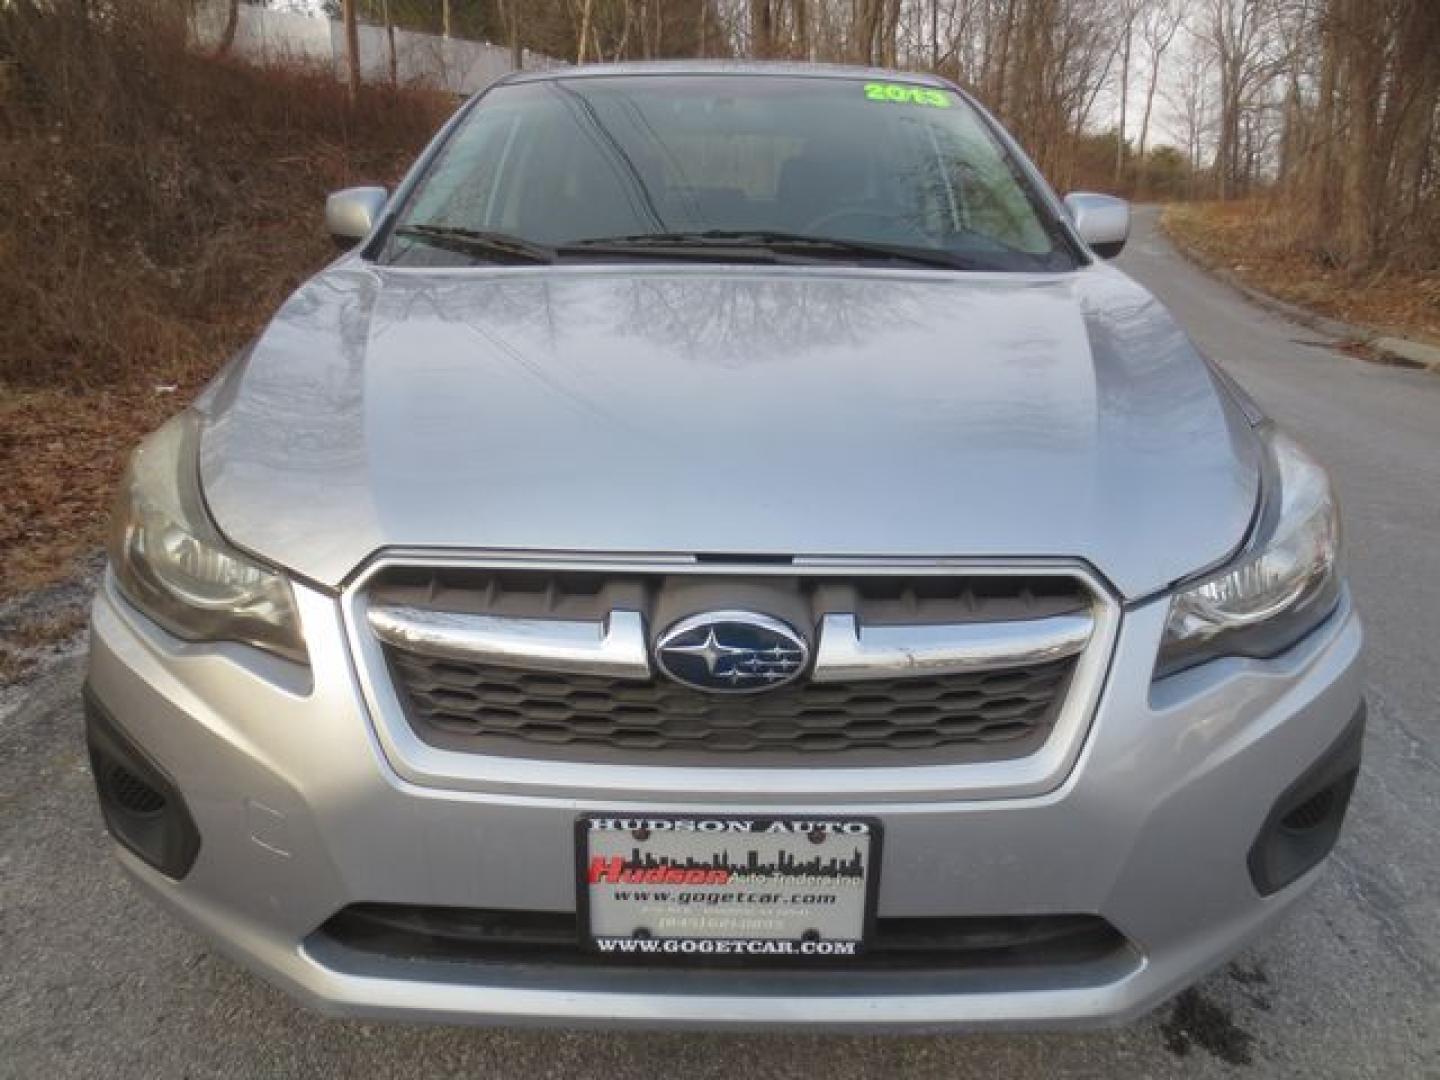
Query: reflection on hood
x,y
734,410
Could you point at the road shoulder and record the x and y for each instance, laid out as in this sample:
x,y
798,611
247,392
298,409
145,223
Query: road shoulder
x,y
1367,342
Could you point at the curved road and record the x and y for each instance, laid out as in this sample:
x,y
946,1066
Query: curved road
x,y
94,983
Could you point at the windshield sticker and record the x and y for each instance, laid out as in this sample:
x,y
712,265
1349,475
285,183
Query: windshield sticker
x,y
906,95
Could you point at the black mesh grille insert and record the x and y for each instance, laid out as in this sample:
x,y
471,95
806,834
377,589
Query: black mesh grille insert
x,y
983,716
486,708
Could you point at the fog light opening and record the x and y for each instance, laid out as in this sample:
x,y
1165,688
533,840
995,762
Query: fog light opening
x,y
1304,822
142,807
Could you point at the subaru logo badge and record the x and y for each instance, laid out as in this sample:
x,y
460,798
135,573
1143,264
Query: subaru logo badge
x,y
732,652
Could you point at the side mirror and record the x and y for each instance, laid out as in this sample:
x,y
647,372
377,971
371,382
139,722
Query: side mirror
x,y
1102,221
351,214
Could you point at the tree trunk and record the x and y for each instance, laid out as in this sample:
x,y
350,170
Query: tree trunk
x,y
624,35
889,44
1227,149
1124,103
865,32
584,31
227,33
1358,206
1149,105
999,76
511,21
390,41
444,18
762,29
934,35
1161,22
1320,171
352,48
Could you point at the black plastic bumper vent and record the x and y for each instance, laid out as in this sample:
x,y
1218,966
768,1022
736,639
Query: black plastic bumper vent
x,y
129,793
1305,821
410,932
141,805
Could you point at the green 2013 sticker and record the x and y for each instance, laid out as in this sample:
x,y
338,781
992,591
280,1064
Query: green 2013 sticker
x,y
906,95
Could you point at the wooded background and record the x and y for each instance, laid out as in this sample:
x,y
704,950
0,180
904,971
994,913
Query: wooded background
x,y
1335,103
163,197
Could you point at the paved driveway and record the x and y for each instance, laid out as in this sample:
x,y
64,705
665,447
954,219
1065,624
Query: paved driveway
x,y
94,984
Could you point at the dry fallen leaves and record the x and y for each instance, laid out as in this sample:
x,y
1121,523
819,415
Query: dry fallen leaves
x,y
158,213
1256,239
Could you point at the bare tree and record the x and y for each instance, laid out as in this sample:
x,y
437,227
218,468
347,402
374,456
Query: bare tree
x,y
227,32
1242,37
1127,12
1334,104
586,10
1191,100
762,28
873,31
1158,27
352,48
390,42
1374,163
511,21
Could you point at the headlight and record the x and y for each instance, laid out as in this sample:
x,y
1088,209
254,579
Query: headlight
x,y
1285,583
172,563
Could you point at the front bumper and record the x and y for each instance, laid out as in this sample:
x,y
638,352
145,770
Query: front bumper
x,y
301,814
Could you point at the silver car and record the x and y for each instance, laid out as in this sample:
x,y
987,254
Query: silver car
x,y
722,548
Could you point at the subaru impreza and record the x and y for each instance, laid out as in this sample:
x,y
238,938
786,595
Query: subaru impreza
x,y
722,546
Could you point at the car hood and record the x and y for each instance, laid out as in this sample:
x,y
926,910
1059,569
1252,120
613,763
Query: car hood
x,y
738,410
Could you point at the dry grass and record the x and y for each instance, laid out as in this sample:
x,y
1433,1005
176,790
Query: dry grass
x,y
62,451
13,666
27,637
1257,241
160,204
40,631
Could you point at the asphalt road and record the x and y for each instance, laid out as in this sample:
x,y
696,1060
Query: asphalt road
x,y
93,982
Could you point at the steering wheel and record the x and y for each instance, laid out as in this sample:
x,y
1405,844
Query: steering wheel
x,y
860,212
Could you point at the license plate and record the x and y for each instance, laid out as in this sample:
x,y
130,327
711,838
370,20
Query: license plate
x,y
747,887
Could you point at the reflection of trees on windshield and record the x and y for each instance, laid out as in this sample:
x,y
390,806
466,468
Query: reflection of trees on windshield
x,y
951,194
570,160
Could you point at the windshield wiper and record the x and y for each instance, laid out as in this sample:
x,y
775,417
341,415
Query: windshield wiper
x,y
759,244
781,243
710,246
478,242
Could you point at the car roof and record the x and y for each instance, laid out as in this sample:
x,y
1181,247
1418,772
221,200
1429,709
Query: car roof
x,y
728,67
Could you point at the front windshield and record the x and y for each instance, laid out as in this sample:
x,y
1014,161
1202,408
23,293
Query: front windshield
x,y
749,159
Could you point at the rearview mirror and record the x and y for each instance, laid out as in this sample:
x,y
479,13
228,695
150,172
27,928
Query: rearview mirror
x,y
351,214
1102,221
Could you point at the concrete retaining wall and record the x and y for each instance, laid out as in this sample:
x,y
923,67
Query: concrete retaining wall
x,y
273,36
